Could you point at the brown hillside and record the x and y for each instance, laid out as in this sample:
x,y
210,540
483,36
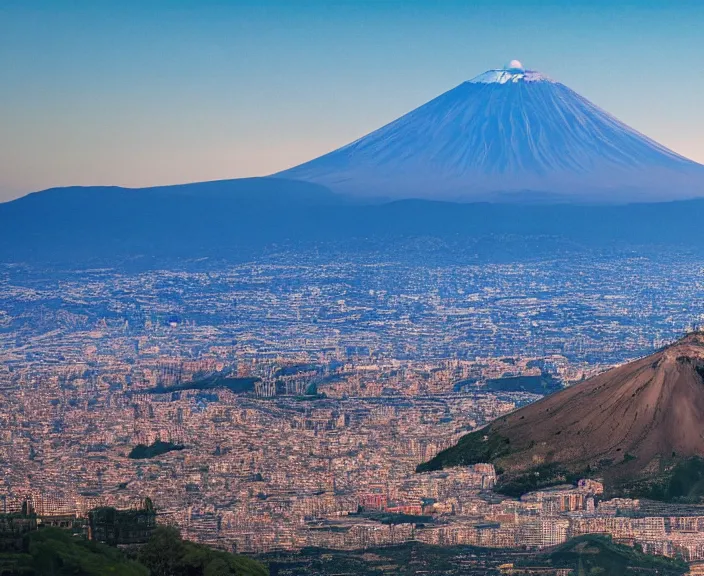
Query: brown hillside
x,y
624,423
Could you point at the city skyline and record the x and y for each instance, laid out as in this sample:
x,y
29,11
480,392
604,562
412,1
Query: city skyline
x,y
140,95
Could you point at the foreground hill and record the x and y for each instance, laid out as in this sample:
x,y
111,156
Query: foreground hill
x,y
639,426
58,552
54,551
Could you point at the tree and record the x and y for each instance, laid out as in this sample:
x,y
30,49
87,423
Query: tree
x,y
217,567
164,552
167,554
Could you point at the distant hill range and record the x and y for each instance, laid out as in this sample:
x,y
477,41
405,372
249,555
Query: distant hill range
x,y
637,426
243,219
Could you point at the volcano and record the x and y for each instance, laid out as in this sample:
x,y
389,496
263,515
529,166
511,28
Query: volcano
x,y
632,425
507,135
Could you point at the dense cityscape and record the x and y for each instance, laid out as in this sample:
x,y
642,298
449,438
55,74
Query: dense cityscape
x,y
275,407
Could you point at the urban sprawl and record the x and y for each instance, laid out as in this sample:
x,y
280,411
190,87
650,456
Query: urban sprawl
x,y
116,386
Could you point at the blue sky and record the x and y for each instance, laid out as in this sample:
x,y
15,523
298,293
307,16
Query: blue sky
x,y
155,92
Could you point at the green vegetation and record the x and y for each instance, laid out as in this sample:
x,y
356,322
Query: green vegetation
x,y
395,518
57,552
681,482
166,554
543,384
593,554
409,559
543,476
13,528
486,446
158,448
481,446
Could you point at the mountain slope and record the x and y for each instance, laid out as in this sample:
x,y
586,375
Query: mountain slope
x,y
632,423
507,135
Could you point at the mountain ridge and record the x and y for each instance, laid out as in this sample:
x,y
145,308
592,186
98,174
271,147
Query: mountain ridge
x,y
228,221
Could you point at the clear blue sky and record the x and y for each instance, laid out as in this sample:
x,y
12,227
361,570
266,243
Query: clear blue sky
x,y
154,92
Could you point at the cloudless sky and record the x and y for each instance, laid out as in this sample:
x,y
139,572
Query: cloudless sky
x,y
145,92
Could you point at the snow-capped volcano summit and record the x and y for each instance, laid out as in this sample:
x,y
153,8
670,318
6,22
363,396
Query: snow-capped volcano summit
x,y
514,72
507,134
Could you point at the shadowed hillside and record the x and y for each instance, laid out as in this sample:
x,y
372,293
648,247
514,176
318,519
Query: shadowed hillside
x,y
240,220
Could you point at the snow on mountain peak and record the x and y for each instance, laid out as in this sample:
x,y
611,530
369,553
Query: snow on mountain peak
x,y
511,73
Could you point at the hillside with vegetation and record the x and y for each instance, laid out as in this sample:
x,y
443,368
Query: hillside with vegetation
x,y
594,554
637,426
56,552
